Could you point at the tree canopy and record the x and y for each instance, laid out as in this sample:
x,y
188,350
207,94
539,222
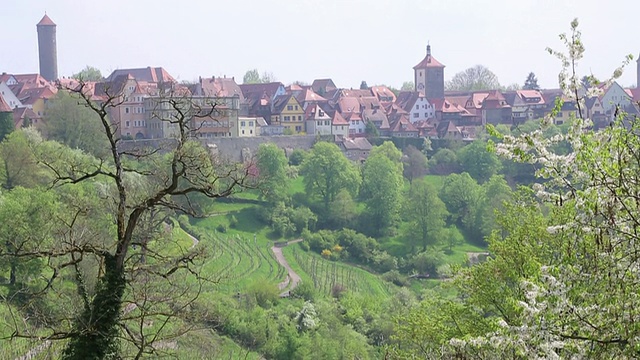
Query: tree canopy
x,y
89,73
531,83
474,78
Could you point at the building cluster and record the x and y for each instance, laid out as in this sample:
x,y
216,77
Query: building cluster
x,y
231,110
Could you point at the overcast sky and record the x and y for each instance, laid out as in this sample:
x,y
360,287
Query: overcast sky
x,y
347,40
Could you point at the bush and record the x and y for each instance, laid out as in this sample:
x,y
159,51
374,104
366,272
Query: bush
x,y
265,294
396,278
304,245
233,222
304,291
221,228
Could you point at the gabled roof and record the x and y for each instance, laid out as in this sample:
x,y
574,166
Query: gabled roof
x,y
338,119
270,89
280,102
349,105
148,74
308,95
218,87
46,21
383,91
20,114
324,84
403,124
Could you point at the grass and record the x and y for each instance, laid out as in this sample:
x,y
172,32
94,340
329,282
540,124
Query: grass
x,y
324,274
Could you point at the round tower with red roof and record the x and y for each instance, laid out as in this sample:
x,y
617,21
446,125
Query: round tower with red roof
x,y
47,48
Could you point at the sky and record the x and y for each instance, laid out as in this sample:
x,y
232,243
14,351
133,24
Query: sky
x,y
378,41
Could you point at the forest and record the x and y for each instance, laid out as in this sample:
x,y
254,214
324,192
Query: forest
x,y
520,244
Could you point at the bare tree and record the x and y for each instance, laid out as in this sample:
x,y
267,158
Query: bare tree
x,y
129,281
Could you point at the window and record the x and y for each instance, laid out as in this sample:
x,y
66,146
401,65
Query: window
x,y
326,122
242,132
320,113
289,107
415,115
251,123
126,110
242,123
417,107
296,107
426,115
250,131
298,128
286,118
126,124
299,117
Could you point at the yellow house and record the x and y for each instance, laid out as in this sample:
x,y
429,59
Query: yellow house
x,y
288,112
37,99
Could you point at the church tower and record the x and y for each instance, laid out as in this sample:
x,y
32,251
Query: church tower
x,y
47,48
429,77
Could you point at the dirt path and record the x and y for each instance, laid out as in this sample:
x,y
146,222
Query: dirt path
x,y
293,279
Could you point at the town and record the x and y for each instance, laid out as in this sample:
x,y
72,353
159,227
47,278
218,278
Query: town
x,y
146,216
274,109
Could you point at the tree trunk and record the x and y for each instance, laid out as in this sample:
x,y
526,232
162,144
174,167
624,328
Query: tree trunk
x,y
12,274
97,328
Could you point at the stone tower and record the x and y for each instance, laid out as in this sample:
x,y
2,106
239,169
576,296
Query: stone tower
x,y
429,77
47,48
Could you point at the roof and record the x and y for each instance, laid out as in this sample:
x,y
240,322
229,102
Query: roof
x,y
30,96
4,107
324,84
403,124
270,89
383,91
218,87
428,61
349,105
338,119
149,74
308,95
19,114
356,144
280,102
46,21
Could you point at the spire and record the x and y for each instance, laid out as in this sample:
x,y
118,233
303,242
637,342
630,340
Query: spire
x,y
428,50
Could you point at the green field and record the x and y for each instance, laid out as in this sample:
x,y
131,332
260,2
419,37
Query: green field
x,y
325,274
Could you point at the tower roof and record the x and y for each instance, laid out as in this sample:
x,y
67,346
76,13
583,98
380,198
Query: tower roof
x,y
46,21
428,61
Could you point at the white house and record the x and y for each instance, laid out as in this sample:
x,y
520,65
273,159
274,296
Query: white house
x,y
247,126
613,96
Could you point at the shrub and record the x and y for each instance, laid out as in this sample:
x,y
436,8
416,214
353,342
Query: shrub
x,y
221,228
396,278
233,222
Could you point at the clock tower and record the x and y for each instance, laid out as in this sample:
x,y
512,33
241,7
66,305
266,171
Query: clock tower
x,y
429,77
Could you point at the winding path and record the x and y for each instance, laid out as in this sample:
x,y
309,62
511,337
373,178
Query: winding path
x,y
293,279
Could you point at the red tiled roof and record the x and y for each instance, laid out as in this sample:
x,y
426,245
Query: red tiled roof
x,y
338,119
46,21
428,61
149,74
